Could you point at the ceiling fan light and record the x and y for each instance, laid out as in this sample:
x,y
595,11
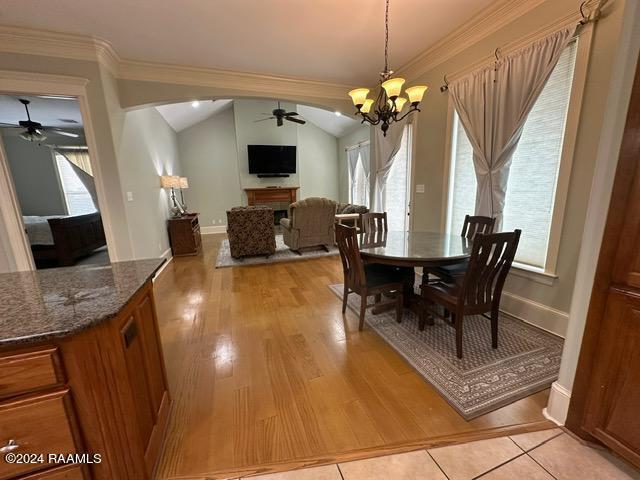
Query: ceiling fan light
x,y
366,107
416,93
36,136
393,87
359,96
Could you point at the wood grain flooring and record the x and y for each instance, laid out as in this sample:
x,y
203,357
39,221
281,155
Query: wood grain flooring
x,y
266,374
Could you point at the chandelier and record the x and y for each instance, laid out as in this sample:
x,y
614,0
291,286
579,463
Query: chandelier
x,y
388,104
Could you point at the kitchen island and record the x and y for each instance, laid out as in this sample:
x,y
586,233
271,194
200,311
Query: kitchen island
x,y
83,390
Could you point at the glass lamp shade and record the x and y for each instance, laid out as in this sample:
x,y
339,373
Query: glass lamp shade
x,y
393,86
400,101
184,182
416,93
366,107
359,95
170,181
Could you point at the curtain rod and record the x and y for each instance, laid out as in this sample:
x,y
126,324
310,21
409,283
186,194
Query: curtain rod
x,y
585,18
357,145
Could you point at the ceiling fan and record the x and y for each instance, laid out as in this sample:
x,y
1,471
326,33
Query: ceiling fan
x,y
280,115
35,131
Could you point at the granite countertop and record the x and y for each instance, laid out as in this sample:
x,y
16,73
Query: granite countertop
x,y
56,302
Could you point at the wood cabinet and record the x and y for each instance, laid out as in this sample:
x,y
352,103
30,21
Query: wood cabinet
x,y
100,391
606,391
184,235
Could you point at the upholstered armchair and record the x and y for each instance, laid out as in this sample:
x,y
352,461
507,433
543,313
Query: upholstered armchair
x,y
310,224
251,231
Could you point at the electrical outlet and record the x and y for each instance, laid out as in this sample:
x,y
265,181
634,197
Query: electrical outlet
x,y
213,222
220,221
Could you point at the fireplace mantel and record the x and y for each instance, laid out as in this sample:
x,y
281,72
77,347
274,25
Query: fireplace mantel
x,y
263,196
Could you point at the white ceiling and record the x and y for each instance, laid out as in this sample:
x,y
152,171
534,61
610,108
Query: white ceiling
x,y
48,111
328,121
330,40
184,115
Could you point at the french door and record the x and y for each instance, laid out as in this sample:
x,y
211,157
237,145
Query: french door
x,y
398,187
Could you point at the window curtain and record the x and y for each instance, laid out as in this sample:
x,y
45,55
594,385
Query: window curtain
x,y
81,164
365,159
359,154
352,162
493,104
383,156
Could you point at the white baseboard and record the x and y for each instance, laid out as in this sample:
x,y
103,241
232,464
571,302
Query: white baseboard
x,y
213,229
558,405
542,316
166,254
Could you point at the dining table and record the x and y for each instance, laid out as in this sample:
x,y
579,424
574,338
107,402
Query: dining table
x,y
413,249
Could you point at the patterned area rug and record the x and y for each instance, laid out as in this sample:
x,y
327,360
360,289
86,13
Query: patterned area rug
x,y
526,361
283,254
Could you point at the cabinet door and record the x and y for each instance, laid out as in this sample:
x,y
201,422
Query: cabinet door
x,y
145,366
614,394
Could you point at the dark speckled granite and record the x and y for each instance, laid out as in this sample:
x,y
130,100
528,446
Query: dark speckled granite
x,y
36,306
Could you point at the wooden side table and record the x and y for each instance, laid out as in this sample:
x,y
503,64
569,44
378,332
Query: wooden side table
x,y
184,235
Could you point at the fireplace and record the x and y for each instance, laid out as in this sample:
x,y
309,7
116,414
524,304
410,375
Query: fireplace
x,y
278,198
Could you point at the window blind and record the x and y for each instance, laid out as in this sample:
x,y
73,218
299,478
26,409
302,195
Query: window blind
x,y
78,198
534,168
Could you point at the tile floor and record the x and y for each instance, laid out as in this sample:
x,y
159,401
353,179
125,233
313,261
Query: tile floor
x,y
546,455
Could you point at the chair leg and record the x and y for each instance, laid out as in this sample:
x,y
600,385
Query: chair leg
x,y
494,327
457,321
345,294
378,298
363,310
399,306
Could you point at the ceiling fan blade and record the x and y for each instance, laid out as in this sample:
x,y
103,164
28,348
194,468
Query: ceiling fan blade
x,y
263,119
290,114
295,120
66,134
13,125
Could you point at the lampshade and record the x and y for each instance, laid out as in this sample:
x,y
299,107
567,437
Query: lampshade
x,y
400,101
415,93
393,86
367,105
184,183
170,181
359,95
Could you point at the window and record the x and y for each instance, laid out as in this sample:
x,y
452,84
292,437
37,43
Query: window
x,y
78,198
533,176
396,191
359,183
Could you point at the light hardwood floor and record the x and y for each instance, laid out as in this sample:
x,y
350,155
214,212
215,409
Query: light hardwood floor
x,y
267,374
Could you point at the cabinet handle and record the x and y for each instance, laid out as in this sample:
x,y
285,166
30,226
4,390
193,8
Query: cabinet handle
x,y
9,447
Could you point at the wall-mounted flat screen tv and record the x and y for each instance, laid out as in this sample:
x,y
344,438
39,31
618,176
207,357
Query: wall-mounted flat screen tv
x,y
272,159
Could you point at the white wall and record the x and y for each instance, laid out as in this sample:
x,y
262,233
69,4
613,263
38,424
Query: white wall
x,y
318,163
148,148
209,159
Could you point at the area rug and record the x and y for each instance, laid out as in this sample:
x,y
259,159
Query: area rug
x,y
283,254
526,361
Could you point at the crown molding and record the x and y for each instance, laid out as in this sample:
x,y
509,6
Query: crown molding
x,y
79,47
481,26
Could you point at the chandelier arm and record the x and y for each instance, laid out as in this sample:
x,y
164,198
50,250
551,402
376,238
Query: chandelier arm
x,y
413,109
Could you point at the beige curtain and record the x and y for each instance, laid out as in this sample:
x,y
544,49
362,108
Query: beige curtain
x,y
493,104
79,157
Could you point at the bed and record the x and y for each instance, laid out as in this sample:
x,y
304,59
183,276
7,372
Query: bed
x,y
62,240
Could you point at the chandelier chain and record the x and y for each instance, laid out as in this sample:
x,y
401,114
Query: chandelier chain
x,y
386,37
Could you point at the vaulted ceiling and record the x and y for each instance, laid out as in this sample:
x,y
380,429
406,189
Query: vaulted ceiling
x,y
329,40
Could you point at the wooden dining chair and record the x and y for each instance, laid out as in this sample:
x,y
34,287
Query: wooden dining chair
x,y
365,280
373,222
472,226
480,290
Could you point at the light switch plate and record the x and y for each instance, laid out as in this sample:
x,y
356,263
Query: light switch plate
x,y
130,196
420,188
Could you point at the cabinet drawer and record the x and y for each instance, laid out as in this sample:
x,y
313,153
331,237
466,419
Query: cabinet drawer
x,y
69,472
29,370
37,425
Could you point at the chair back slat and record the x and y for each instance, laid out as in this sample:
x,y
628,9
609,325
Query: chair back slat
x,y
352,265
491,258
373,222
474,225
